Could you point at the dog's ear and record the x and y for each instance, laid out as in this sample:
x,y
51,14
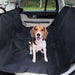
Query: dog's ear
x,y
32,32
45,33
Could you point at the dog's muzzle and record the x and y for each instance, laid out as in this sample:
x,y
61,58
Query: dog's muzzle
x,y
38,36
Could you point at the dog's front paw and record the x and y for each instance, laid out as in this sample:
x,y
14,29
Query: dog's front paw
x,y
46,60
30,53
33,61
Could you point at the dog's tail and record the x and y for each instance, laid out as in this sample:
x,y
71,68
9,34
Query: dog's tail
x,y
29,42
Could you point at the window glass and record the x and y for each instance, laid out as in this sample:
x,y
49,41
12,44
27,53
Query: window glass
x,y
70,2
37,5
51,5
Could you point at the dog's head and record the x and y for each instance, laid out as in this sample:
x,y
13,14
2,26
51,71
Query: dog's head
x,y
39,32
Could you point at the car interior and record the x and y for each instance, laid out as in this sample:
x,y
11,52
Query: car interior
x,y
16,21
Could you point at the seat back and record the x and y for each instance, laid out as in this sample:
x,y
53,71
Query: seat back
x,y
11,5
1,5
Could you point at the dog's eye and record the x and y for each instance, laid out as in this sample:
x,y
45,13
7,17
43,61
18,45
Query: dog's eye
x,y
35,29
42,30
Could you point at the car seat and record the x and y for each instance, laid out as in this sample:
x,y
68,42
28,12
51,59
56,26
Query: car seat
x,y
2,6
11,5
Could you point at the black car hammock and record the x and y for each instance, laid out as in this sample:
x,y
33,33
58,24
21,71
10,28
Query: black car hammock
x,y
14,46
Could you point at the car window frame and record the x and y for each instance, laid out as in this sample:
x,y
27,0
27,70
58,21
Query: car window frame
x,y
43,14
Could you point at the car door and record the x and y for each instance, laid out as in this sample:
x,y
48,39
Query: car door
x,y
38,12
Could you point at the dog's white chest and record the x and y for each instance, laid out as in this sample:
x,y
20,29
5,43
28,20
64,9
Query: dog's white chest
x,y
40,45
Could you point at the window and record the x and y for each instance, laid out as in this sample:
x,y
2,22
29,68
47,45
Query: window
x,y
51,5
38,5
70,2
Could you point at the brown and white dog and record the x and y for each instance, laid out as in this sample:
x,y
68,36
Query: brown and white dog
x,y
39,33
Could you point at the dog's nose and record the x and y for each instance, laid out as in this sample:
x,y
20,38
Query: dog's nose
x,y
38,34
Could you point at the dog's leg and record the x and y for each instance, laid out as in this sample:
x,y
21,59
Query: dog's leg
x,y
34,56
30,50
45,55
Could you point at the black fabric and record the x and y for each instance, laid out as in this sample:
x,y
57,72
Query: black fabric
x,y
5,73
14,46
55,28
64,36
59,18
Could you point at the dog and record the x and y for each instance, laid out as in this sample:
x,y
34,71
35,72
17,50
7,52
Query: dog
x,y
39,34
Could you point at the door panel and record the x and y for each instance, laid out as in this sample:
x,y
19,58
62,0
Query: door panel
x,y
29,22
